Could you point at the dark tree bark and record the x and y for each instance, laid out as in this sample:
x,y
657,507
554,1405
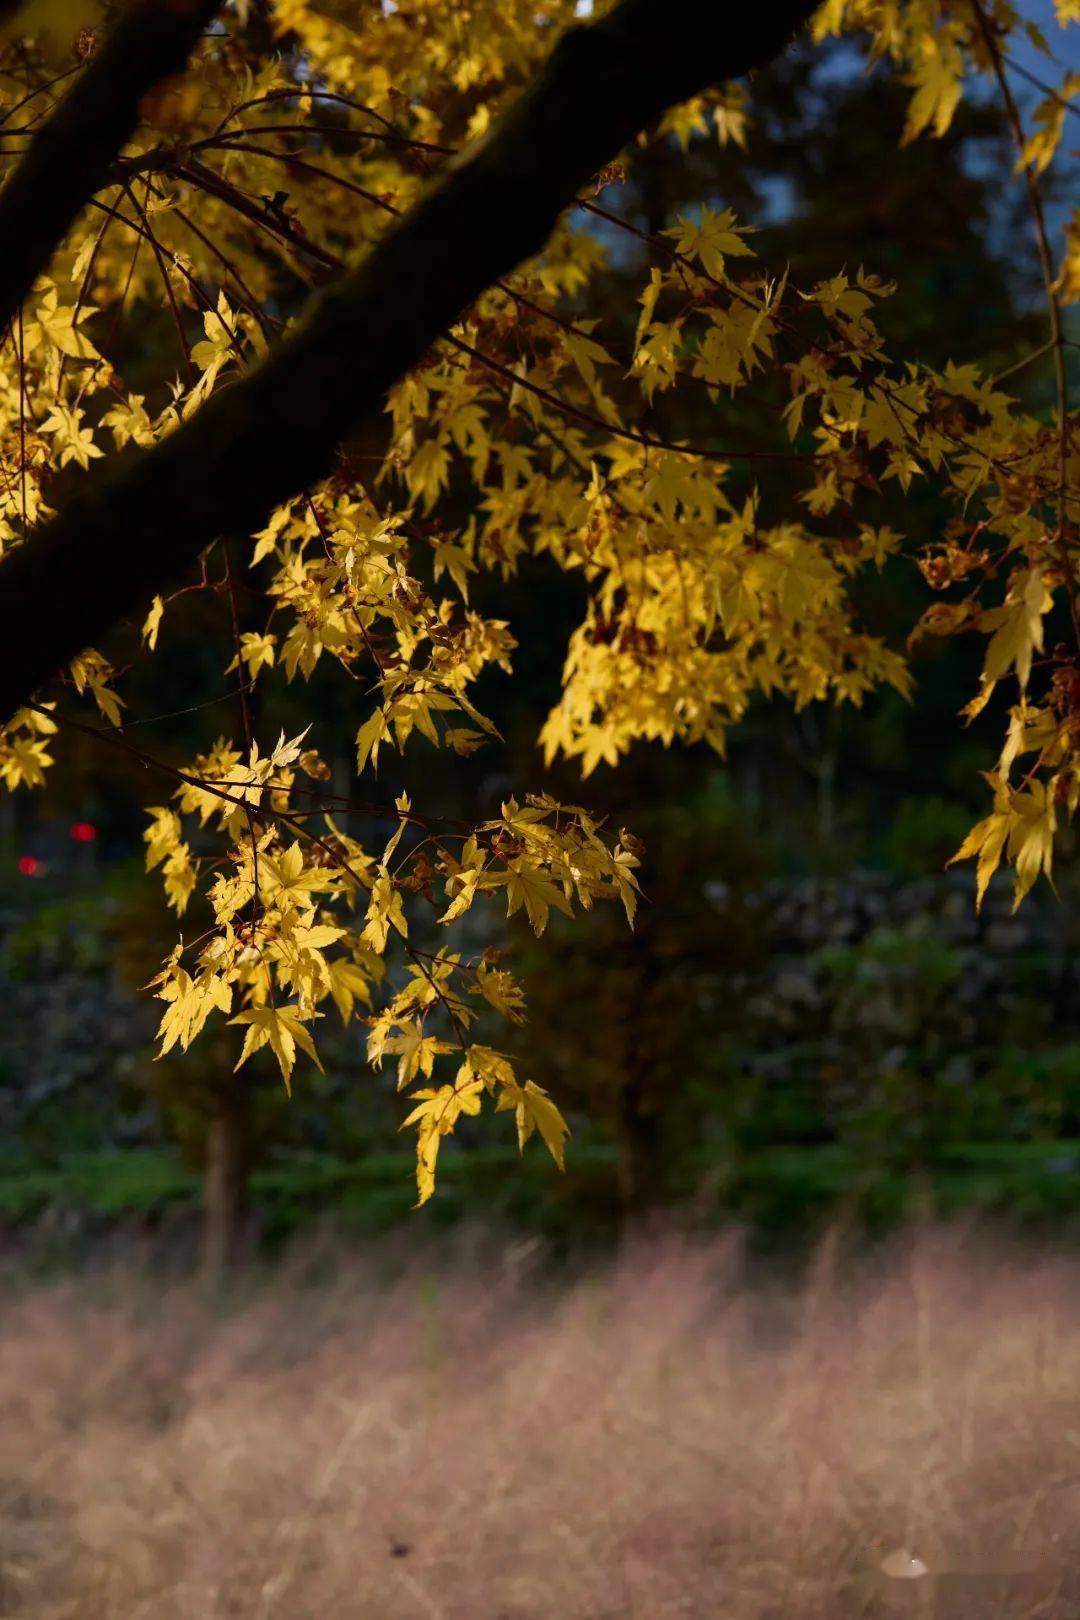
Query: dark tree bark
x,y
69,157
260,441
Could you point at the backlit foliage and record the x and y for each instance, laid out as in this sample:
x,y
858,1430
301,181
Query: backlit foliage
x,y
303,129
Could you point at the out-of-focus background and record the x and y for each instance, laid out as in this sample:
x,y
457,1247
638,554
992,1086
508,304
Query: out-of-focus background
x,y
529,1398
466,1437
809,1015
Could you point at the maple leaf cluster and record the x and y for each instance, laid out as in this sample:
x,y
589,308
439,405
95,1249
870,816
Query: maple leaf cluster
x,y
265,169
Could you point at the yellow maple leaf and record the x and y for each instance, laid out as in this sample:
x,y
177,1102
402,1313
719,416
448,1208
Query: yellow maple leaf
x,y
282,1029
528,887
535,1111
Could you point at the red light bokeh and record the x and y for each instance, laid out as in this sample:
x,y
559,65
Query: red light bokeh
x,y
29,867
83,832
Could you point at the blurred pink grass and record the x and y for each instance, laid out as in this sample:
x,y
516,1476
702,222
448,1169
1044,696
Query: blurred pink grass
x,y
675,1433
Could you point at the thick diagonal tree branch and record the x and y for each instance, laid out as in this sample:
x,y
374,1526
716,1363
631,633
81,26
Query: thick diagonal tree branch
x,y
69,157
258,442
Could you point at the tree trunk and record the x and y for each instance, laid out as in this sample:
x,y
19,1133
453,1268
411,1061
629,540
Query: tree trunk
x,y
276,430
225,1183
640,1160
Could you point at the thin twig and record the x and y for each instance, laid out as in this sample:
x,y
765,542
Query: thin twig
x,y
1053,304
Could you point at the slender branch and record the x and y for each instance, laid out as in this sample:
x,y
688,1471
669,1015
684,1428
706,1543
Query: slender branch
x,y
69,156
254,444
337,131
237,199
177,319
32,95
1040,84
648,440
267,813
1018,365
1053,305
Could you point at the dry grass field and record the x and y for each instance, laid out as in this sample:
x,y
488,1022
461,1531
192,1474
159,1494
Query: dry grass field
x,y
676,1433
